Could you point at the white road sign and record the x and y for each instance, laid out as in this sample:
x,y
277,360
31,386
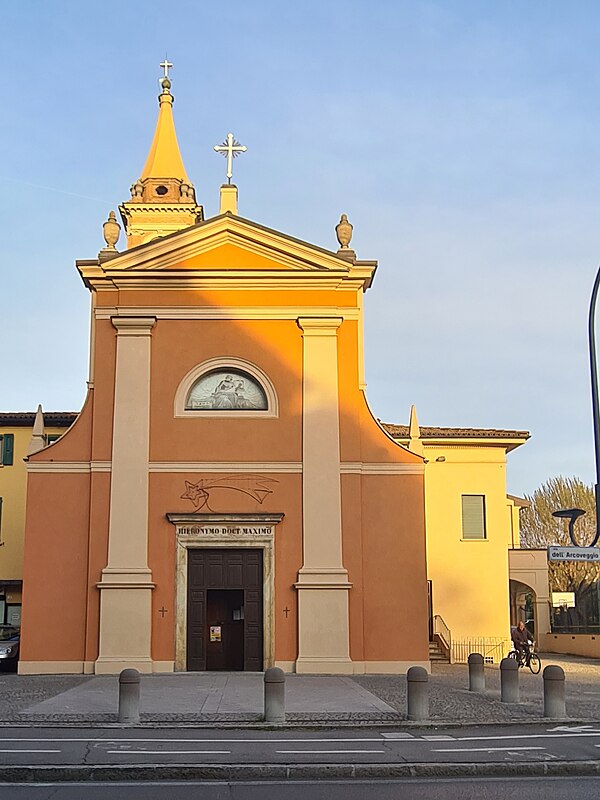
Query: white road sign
x,y
574,554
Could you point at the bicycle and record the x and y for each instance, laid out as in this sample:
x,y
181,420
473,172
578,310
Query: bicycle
x,y
527,659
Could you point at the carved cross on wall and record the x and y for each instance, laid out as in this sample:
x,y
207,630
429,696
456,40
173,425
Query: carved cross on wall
x,y
286,611
162,611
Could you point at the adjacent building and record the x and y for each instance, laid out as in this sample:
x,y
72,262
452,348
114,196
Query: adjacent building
x,y
20,434
471,525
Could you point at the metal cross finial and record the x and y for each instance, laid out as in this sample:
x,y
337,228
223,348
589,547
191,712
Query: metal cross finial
x,y
231,149
166,65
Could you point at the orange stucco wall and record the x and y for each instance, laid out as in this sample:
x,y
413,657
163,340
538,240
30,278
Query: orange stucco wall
x,y
55,568
275,346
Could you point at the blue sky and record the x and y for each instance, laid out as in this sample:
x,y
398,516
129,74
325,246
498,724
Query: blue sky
x,y
461,138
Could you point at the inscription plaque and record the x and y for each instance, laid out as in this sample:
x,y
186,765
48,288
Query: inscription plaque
x,y
230,531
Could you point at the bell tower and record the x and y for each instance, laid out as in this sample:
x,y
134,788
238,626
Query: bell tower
x,y
163,199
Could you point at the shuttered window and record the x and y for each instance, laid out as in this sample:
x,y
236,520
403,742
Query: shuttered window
x,y
473,516
7,442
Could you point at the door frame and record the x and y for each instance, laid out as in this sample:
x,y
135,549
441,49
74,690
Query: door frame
x,y
219,531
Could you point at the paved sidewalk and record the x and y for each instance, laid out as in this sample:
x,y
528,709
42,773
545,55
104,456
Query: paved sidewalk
x,y
450,700
212,697
236,698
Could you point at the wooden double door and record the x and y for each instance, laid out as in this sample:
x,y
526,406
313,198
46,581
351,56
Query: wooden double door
x,y
225,609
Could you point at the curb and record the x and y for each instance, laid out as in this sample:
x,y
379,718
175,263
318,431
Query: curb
x,y
318,723
293,772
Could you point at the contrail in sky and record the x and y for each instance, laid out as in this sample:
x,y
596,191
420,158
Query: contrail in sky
x,y
54,189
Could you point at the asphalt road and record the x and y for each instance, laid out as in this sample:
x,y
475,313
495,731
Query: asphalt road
x,y
117,746
413,789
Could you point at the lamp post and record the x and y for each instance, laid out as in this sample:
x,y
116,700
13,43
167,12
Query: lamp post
x,y
595,405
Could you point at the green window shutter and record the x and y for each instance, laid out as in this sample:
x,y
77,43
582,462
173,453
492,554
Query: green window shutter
x,y
473,516
8,445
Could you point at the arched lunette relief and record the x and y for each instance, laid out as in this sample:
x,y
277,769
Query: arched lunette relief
x,y
223,387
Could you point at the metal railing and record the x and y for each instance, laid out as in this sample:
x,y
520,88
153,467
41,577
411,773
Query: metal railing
x,y
442,631
594,630
492,648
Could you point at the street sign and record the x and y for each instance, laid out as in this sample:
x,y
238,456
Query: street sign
x,y
563,599
574,554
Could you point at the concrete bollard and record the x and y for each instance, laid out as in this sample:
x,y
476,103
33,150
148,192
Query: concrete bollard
x,y
509,681
554,692
129,696
476,673
417,692
274,681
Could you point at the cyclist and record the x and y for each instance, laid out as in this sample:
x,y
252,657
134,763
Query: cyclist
x,y
521,639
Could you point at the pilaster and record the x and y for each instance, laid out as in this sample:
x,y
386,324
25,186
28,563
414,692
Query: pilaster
x,y
323,625
126,584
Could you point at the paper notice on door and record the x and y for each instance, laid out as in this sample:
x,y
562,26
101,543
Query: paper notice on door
x,y
215,633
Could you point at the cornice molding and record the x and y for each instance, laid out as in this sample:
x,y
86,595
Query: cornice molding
x,y
203,467
198,467
228,312
222,280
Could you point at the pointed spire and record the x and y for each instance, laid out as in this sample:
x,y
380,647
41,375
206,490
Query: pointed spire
x,y
162,199
164,159
38,438
415,444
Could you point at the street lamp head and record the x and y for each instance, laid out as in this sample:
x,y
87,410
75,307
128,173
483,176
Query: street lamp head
x,y
569,513
572,514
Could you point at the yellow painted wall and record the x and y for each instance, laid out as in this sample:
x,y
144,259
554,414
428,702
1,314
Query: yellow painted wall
x,y
13,489
469,577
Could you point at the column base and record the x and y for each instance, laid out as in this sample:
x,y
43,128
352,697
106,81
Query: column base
x,y
112,665
125,623
323,624
324,666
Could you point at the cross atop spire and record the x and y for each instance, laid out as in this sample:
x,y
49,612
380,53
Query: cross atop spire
x,y
166,65
231,149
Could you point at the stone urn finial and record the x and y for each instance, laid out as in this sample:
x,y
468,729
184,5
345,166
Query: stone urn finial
x,y
343,232
112,231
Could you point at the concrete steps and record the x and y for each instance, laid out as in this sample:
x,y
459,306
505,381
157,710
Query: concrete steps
x,y
436,653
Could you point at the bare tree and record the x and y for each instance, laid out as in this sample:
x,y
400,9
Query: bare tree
x,y
540,529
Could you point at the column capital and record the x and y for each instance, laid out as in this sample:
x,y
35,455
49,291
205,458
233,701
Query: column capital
x,y
133,326
319,326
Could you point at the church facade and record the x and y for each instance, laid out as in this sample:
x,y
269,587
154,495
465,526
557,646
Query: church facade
x,y
225,500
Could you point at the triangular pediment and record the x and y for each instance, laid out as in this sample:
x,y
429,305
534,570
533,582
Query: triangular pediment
x,y
225,248
227,242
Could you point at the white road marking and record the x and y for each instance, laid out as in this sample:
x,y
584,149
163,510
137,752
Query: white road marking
x,y
326,752
575,728
528,736
107,740
30,751
484,749
169,752
562,732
